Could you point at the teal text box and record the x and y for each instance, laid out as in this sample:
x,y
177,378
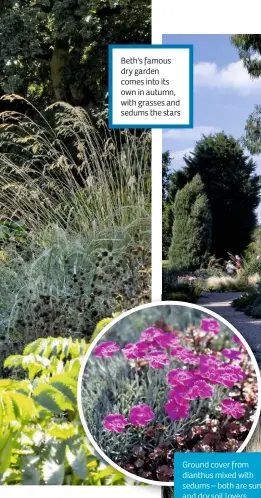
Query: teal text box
x,y
217,475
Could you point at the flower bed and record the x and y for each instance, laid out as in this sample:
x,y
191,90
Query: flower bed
x,y
169,390
177,287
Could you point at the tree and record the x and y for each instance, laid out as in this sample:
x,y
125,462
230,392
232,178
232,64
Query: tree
x,y
167,205
58,49
166,163
191,239
252,137
167,224
232,188
249,49
170,182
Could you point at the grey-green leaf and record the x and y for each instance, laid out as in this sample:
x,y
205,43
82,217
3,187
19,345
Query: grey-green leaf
x,y
53,473
78,462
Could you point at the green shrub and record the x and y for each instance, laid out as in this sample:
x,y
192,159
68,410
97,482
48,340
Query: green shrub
x,y
253,249
250,303
252,267
191,239
188,292
255,310
180,296
243,301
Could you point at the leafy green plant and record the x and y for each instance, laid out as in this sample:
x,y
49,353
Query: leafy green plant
x,y
41,438
250,303
12,231
187,297
243,301
253,267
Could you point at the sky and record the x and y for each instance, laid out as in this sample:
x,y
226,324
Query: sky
x,y
224,95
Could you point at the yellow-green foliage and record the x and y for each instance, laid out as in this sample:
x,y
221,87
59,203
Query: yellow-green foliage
x,y
42,440
101,325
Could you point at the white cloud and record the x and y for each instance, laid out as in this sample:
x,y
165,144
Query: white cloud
x,y
189,133
233,76
178,155
257,160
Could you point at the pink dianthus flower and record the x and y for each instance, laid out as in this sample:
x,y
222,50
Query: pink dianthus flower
x,y
141,415
157,359
232,354
180,377
238,341
186,355
149,334
106,349
177,411
201,389
137,350
115,423
210,325
166,340
232,408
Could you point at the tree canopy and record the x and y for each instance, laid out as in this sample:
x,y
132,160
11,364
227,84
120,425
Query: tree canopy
x,y
58,49
232,188
249,49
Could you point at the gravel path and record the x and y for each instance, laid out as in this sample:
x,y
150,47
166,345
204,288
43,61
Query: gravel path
x,y
250,328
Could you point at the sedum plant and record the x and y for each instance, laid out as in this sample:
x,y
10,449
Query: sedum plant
x,y
42,440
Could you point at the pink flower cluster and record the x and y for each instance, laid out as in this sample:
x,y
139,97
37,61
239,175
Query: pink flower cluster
x,y
178,406
218,372
150,348
198,383
187,278
157,348
139,415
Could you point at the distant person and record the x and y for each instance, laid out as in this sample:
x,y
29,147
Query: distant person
x,y
230,268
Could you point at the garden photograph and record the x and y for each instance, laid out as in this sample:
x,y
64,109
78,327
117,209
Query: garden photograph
x,y
167,378
211,248
75,226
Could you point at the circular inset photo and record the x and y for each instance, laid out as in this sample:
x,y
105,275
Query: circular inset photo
x,y
164,378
